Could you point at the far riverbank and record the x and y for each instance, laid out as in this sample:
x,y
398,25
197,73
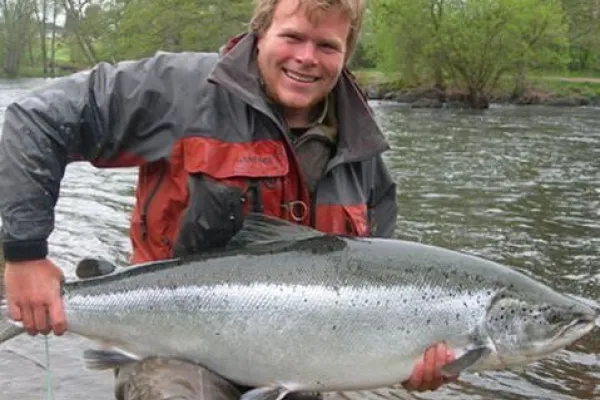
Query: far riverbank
x,y
546,90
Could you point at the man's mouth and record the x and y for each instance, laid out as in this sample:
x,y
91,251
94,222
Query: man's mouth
x,y
300,77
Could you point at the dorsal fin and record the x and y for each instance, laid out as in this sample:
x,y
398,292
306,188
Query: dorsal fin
x,y
260,228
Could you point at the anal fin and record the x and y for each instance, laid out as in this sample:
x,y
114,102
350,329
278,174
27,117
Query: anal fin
x,y
470,358
107,359
266,393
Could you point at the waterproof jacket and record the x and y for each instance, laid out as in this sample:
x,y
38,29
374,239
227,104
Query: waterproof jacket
x,y
210,148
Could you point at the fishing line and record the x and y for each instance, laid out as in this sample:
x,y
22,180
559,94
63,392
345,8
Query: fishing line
x,y
48,373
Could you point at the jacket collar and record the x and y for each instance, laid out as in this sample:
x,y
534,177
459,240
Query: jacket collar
x,y
359,136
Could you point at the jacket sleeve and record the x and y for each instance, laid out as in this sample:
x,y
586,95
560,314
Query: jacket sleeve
x,y
112,115
383,207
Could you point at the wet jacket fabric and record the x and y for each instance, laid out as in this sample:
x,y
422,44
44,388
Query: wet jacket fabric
x,y
210,148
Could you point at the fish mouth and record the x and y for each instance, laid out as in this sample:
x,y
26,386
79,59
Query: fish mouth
x,y
564,336
577,328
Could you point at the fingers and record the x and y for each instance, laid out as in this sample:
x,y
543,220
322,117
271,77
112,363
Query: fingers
x,y
427,374
57,316
32,290
441,353
40,316
416,379
14,311
429,367
28,320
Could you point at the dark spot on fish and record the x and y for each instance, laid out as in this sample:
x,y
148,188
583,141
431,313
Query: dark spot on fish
x,y
378,302
405,301
217,333
367,301
489,292
502,308
447,322
305,299
424,297
428,321
457,316
334,327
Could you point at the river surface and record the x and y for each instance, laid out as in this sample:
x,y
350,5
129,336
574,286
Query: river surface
x,y
518,185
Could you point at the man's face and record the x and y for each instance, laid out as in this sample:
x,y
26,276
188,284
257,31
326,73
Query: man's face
x,y
299,59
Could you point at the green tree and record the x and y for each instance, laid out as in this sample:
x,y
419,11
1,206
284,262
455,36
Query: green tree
x,y
17,28
146,26
584,33
474,42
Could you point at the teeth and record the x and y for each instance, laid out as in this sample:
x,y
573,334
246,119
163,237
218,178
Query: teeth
x,y
300,78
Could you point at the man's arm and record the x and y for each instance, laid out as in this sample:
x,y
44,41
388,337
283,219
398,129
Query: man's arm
x,y
122,115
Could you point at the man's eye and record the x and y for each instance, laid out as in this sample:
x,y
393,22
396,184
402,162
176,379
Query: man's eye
x,y
329,48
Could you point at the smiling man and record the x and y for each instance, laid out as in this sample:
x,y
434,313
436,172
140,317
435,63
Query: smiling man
x,y
274,123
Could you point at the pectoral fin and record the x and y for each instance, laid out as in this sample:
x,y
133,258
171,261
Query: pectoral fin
x,y
266,393
470,358
107,359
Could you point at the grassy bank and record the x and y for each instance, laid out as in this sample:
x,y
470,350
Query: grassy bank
x,y
566,89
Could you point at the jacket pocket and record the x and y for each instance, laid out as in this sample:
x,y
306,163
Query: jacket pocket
x,y
226,181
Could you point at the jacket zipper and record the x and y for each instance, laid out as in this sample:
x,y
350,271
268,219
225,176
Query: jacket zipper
x,y
143,217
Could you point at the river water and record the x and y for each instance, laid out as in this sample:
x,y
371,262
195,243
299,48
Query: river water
x,y
518,185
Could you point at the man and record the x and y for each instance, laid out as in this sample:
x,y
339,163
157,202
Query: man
x,y
274,124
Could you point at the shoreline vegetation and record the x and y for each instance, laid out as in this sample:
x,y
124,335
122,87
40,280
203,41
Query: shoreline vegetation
x,y
550,89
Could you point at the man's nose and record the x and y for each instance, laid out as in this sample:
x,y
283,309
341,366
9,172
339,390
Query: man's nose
x,y
307,53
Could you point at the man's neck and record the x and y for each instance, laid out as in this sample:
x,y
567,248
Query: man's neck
x,y
297,119
302,118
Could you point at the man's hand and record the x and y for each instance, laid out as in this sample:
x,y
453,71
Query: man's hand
x,y
426,375
32,289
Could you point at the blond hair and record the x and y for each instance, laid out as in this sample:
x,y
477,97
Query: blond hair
x,y
354,9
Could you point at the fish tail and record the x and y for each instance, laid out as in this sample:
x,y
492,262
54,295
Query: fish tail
x,y
8,329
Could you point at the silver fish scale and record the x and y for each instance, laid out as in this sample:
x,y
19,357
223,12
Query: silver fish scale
x,y
335,314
